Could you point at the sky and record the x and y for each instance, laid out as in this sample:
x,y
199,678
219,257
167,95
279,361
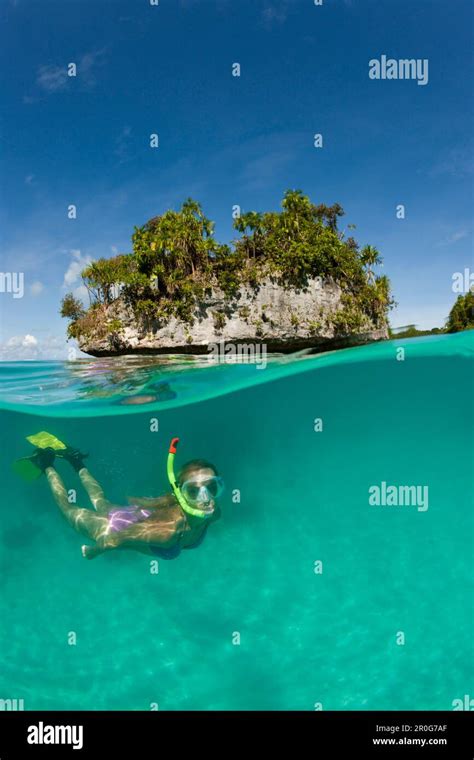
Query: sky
x,y
227,140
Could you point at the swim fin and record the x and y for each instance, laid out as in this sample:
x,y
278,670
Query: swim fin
x,y
30,468
27,469
45,440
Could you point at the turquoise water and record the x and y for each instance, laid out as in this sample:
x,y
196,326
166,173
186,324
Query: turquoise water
x,y
305,638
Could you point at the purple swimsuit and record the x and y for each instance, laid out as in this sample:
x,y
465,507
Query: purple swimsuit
x,y
121,518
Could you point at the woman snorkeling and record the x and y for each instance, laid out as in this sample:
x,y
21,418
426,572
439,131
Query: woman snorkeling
x,y
159,526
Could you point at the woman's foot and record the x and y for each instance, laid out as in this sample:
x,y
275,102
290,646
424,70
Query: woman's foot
x,y
74,457
43,458
89,552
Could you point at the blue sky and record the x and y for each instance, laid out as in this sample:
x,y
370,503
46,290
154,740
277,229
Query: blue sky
x,y
227,140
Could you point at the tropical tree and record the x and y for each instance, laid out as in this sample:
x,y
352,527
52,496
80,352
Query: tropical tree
x,y
102,277
175,245
71,307
300,242
370,257
461,316
329,214
251,225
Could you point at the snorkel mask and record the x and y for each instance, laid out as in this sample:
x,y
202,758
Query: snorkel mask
x,y
192,491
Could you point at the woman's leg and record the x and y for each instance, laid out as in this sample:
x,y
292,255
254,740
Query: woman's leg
x,y
83,520
95,492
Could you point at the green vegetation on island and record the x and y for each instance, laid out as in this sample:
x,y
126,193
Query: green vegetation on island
x,y
461,316
411,331
176,262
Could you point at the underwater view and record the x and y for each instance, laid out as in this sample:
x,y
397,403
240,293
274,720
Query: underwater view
x,y
314,590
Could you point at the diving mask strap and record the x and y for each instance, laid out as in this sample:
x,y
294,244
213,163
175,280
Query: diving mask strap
x,y
176,489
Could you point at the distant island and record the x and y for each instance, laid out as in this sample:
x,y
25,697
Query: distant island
x,y
461,317
290,280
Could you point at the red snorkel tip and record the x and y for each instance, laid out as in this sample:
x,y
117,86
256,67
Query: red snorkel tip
x,y
173,445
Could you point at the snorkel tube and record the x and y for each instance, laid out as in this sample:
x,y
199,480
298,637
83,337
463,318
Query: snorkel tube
x,y
176,490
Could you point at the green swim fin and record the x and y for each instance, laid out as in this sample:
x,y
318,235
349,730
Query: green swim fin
x,y
27,469
45,440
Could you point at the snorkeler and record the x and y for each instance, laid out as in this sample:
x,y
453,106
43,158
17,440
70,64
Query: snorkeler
x,y
159,526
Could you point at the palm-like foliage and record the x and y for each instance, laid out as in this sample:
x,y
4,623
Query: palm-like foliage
x,y
102,276
370,258
175,245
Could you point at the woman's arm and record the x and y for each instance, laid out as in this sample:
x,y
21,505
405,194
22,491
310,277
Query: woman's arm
x,y
152,502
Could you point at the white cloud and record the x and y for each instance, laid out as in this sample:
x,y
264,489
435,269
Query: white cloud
x,y
36,288
88,65
19,347
30,348
454,237
29,341
458,236
23,341
76,265
53,78
29,179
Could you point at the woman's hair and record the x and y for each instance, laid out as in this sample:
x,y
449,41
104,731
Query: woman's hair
x,y
189,468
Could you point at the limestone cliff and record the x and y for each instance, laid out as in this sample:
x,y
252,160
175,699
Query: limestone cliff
x,y
283,319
